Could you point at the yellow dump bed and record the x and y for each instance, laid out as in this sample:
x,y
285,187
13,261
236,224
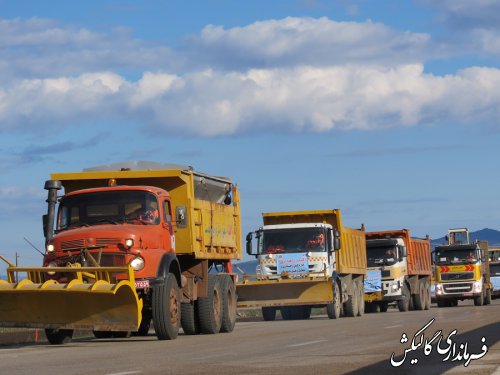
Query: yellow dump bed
x,y
213,228
351,258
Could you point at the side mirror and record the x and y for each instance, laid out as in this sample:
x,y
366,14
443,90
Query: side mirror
x,y
249,243
181,216
336,240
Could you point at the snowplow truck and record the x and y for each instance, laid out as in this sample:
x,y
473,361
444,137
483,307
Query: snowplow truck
x,y
129,244
399,271
305,259
462,270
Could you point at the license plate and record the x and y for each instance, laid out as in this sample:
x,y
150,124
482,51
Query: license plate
x,y
141,284
468,294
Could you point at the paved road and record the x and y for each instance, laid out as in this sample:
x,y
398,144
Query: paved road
x,y
316,346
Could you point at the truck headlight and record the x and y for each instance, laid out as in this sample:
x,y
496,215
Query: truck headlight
x,y
478,286
137,264
50,248
395,287
439,288
129,242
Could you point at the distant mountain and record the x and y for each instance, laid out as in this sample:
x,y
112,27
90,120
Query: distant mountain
x,y
486,234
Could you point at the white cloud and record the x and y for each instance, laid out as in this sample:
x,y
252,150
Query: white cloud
x,y
211,103
294,41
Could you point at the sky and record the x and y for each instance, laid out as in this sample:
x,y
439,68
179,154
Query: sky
x,y
388,110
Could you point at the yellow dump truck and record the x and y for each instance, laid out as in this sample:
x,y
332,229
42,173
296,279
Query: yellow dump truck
x,y
462,270
128,244
305,259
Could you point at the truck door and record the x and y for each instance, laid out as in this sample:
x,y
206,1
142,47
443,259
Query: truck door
x,y
168,227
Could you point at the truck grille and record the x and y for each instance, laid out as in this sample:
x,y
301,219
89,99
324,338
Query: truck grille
x,y
457,288
65,245
113,260
81,243
457,276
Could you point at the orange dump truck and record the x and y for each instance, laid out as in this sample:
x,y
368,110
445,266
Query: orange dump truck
x,y
399,271
128,244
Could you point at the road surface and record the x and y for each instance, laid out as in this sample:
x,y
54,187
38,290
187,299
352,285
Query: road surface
x,y
362,345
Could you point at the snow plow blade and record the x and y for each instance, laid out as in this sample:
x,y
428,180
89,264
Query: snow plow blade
x,y
95,298
284,292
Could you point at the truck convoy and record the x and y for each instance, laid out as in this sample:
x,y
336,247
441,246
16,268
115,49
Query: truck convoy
x,y
132,243
462,270
399,271
305,259
495,272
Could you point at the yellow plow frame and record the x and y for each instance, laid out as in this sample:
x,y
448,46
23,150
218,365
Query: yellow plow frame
x,y
255,291
88,301
372,297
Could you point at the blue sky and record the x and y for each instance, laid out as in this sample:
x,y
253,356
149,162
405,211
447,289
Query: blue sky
x,y
388,110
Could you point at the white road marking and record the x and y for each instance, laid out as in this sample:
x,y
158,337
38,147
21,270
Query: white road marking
x,y
305,343
126,373
397,325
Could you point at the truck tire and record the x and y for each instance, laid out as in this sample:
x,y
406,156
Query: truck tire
x,y
333,309
166,308
269,313
351,305
487,297
361,300
58,336
479,300
103,334
420,297
228,304
189,318
286,313
383,306
210,307
306,312
144,327
427,296
404,303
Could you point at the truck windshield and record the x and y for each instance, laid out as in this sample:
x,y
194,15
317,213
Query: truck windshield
x,y
381,256
293,240
135,207
456,256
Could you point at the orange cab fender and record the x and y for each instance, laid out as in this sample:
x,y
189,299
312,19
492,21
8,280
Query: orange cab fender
x,y
168,264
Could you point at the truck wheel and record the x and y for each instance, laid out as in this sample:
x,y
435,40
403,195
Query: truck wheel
x,y
333,309
441,303
166,308
103,334
427,296
144,327
479,300
487,297
286,313
189,318
404,303
304,312
419,298
361,300
269,313
58,336
351,306
210,307
383,306
228,304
